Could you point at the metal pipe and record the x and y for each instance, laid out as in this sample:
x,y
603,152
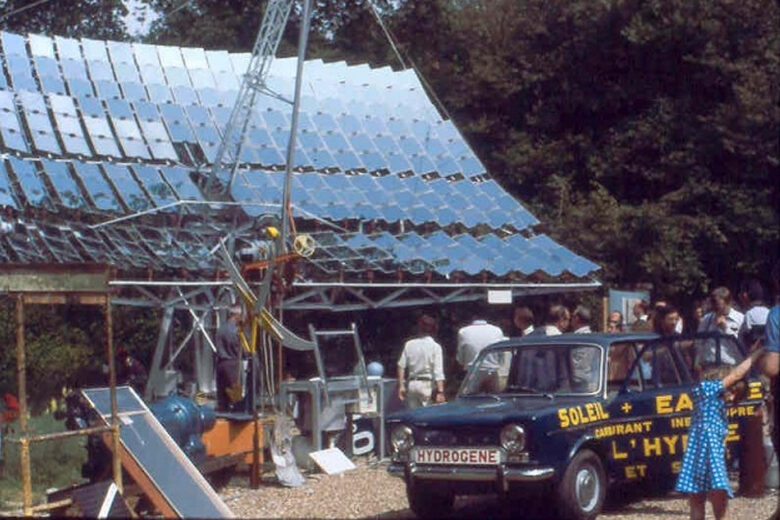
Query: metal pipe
x,y
303,38
169,283
62,435
116,462
182,203
375,285
254,476
21,376
452,285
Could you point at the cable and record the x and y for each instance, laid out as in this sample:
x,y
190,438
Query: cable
x,y
430,90
387,32
20,9
178,8
391,39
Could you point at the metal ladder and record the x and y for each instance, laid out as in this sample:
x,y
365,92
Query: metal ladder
x,y
351,331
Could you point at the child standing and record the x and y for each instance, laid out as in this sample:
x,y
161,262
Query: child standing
x,y
703,474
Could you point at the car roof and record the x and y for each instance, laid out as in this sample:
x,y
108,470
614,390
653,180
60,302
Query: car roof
x,y
600,338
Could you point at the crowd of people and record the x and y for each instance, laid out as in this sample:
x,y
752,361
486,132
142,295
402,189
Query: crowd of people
x,y
420,364
703,475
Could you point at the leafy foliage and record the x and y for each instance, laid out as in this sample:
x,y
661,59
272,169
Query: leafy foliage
x,y
642,133
100,19
54,464
65,346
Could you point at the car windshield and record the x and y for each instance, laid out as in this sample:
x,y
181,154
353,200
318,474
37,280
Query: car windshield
x,y
535,370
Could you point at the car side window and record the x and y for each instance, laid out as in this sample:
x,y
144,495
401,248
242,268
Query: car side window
x,y
658,368
621,359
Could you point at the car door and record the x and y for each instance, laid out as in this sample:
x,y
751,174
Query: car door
x,y
651,414
626,414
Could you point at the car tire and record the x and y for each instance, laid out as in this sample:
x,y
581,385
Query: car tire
x,y
583,488
429,502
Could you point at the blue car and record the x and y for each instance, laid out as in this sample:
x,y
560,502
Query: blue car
x,y
572,415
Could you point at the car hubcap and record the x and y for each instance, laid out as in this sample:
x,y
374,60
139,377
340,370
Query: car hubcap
x,y
587,488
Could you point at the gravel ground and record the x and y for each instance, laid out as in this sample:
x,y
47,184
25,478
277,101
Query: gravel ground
x,y
369,492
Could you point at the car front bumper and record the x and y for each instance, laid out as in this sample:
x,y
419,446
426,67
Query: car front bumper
x,y
501,474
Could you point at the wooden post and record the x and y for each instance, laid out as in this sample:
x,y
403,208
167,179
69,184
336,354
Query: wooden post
x,y
116,462
21,375
604,312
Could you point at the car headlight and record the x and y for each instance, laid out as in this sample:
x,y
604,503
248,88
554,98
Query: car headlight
x,y
402,438
513,438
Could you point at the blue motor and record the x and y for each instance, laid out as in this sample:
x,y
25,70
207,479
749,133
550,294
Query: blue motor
x,y
185,421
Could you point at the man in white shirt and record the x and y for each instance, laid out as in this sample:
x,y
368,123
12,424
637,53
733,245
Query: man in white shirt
x,y
580,320
422,356
724,319
473,338
557,322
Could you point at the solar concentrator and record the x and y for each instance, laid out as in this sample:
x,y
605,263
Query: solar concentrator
x,y
116,128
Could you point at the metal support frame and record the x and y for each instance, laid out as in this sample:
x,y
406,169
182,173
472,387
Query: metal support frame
x,y
303,38
202,304
85,284
357,297
204,301
346,297
229,152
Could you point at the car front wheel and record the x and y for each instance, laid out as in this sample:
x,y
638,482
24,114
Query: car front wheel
x,y
583,487
429,502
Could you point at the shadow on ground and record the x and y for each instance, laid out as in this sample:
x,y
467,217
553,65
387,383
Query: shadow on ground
x,y
485,506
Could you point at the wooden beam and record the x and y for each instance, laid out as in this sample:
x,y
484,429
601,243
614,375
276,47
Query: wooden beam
x,y
65,299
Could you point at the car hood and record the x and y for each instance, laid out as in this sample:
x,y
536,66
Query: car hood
x,y
481,411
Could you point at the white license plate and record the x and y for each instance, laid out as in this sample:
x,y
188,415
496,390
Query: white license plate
x,y
458,456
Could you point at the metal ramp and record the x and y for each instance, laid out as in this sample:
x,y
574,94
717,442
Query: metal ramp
x,y
154,460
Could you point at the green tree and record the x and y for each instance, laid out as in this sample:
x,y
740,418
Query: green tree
x,y
101,19
233,25
642,133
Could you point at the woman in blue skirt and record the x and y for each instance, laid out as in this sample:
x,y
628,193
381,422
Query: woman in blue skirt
x,y
703,474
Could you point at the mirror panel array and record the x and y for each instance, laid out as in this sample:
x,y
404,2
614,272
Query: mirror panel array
x,y
112,128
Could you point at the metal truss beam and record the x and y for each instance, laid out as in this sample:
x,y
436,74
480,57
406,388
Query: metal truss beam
x,y
229,152
340,297
348,298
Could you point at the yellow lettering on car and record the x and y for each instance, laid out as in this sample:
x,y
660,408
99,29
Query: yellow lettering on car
x,y
663,404
671,443
683,403
617,455
633,472
563,418
581,415
592,413
756,390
